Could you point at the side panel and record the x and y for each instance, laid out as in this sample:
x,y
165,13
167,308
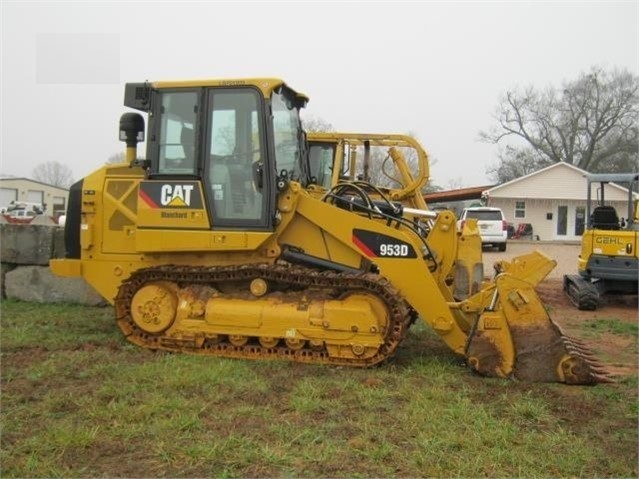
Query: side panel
x,y
616,248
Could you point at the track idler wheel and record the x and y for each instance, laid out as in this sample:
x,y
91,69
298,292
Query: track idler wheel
x,y
154,306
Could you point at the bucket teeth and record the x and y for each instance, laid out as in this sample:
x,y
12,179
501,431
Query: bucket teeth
x,y
596,370
583,353
546,355
603,378
578,347
575,342
600,370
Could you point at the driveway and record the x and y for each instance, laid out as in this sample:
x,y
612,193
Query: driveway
x,y
566,255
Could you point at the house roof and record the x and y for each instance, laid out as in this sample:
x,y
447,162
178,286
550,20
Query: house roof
x,y
29,180
558,181
560,164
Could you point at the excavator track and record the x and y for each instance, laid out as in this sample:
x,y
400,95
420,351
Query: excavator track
x,y
203,287
582,293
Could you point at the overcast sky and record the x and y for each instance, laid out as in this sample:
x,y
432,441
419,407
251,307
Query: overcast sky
x,y
434,69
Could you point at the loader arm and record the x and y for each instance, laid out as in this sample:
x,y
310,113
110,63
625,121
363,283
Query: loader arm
x,y
503,330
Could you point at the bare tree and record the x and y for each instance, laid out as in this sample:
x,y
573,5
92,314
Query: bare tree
x,y
381,172
456,183
515,163
316,124
115,158
53,173
590,123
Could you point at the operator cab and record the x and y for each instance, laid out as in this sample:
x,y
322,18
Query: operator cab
x,y
242,139
604,216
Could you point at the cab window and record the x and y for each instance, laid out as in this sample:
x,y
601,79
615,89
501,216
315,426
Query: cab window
x,y
321,163
178,120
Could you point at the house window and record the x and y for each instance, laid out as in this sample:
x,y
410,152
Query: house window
x,y
7,195
520,209
59,204
35,196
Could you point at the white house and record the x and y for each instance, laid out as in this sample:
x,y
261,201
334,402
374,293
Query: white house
x,y
552,200
31,191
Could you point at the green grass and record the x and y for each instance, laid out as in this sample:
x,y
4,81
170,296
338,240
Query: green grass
x,y
79,401
610,325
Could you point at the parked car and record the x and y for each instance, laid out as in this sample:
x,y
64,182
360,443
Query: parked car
x,y
28,209
493,227
21,214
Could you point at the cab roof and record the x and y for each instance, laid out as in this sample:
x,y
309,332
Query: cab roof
x,y
266,85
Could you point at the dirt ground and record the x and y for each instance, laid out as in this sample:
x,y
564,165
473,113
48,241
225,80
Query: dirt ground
x,y
565,254
618,351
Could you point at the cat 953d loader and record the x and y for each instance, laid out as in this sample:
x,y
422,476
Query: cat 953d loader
x,y
214,245
608,262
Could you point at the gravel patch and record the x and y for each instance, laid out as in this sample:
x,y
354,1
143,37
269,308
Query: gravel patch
x,y
566,255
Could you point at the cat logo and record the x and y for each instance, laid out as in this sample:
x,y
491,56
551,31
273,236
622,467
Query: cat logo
x,y
176,195
163,194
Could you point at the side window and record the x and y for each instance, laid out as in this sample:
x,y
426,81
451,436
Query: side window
x,y
321,163
235,140
286,131
177,133
520,209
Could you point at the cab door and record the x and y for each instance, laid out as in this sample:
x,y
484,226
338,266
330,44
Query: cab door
x,y
234,160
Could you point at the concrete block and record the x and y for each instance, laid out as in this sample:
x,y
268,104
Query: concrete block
x,y
26,244
44,220
38,284
4,269
59,249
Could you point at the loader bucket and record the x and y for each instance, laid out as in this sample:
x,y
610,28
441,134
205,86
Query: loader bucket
x,y
516,338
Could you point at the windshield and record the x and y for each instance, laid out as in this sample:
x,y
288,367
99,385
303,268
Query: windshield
x,y
288,136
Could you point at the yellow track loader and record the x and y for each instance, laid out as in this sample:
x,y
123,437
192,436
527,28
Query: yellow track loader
x,y
213,245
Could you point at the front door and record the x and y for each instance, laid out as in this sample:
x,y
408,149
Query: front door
x,y
580,220
562,221
234,145
570,222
